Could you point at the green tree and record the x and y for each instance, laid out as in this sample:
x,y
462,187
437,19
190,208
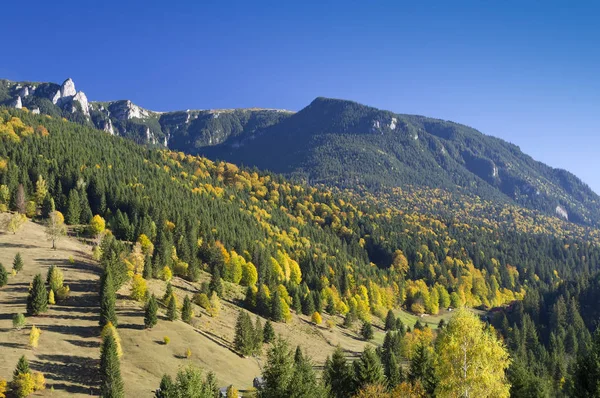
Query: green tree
x,y
390,321
107,299
421,368
338,375
276,308
73,208
216,284
150,313
187,311
367,331
37,300
586,375
368,369
172,309
268,332
168,293
3,276
244,340
111,383
278,371
54,278
304,383
470,360
22,367
18,262
48,206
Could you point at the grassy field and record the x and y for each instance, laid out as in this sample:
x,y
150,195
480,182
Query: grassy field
x,y
69,348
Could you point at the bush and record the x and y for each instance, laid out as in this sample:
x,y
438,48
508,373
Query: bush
x,y
316,318
23,385
202,300
63,293
19,321
166,340
71,260
138,288
188,353
367,331
34,337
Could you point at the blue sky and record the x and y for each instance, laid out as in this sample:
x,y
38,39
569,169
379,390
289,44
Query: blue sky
x,y
521,70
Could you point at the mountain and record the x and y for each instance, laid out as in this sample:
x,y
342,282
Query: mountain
x,y
334,142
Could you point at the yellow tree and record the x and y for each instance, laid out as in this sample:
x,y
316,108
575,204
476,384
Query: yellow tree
x,y
97,225
55,228
41,190
34,337
470,360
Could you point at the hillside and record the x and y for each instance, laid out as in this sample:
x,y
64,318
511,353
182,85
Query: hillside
x,y
285,251
334,142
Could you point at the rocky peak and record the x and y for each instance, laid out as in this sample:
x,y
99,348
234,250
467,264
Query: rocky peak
x,y
83,101
17,103
124,110
68,88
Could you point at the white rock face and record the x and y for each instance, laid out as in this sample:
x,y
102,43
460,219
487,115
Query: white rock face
x,y
36,111
393,123
17,103
561,212
495,172
56,97
108,127
83,101
24,92
68,88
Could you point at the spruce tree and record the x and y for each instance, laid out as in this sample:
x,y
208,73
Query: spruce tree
x,y
107,299
278,371
150,317
3,276
308,305
276,308
390,321
111,384
186,310
338,375
400,327
73,208
168,293
304,382
166,388
367,331
48,206
22,367
421,368
147,274
244,334
393,372
268,332
586,375
368,369
172,309
37,301
18,262
216,285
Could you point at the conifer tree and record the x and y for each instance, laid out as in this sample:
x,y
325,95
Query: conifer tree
x,y
276,308
268,332
368,369
304,381
186,310
168,293
421,368
73,208
244,340
338,375
150,313
147,274
107,300
278,371
390,321
3,276
586,376
37,301
216,284
172,309
18,262
22,367
367,331
111,383
48,206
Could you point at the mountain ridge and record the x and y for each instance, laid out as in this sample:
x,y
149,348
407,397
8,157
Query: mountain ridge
x,y
332,141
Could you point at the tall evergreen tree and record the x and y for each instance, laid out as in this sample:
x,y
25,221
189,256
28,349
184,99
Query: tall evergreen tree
x,y
390,321
216,284
421,368
3,276
367,331
368,369
37,301
276,307
278,371
73,213
147,274
108,299
186,310
22,367
111,383
268,332
338,375
172,309
586,375
18,262
244,339
150,313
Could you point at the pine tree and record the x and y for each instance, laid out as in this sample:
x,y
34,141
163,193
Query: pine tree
x,y
393,372
400,327
278,371
186,310
244,339
168,294
586,375
18,262
22,367
172,309
308,305
338,375
421,368
304,381
150,318
367,331
111,384
368,369
166,388
3,276
268,332
107,300
73,208
390,321
276,308
216,285
37,301
147,274
48,206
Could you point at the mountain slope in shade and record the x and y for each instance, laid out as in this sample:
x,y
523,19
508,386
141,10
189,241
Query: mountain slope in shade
x,y
335,142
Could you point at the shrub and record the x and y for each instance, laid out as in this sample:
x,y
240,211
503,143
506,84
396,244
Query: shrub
x,y
166,340
23,385
188,353
19,321
39,381
71,260
138,288
63,293
316,318
34,337
202,300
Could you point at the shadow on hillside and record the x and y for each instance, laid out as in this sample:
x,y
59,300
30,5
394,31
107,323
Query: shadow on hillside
x,y
72,308
345,333
94,318
217,340
13,345
81,331
17,245
81,371
77,266
84,343
19,300
132,326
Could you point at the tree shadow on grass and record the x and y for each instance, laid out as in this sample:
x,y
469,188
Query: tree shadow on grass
x,y
132,326
81,331
85,343
82,372
13,345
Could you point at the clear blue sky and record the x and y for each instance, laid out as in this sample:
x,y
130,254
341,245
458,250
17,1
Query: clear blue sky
x,y
527,72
